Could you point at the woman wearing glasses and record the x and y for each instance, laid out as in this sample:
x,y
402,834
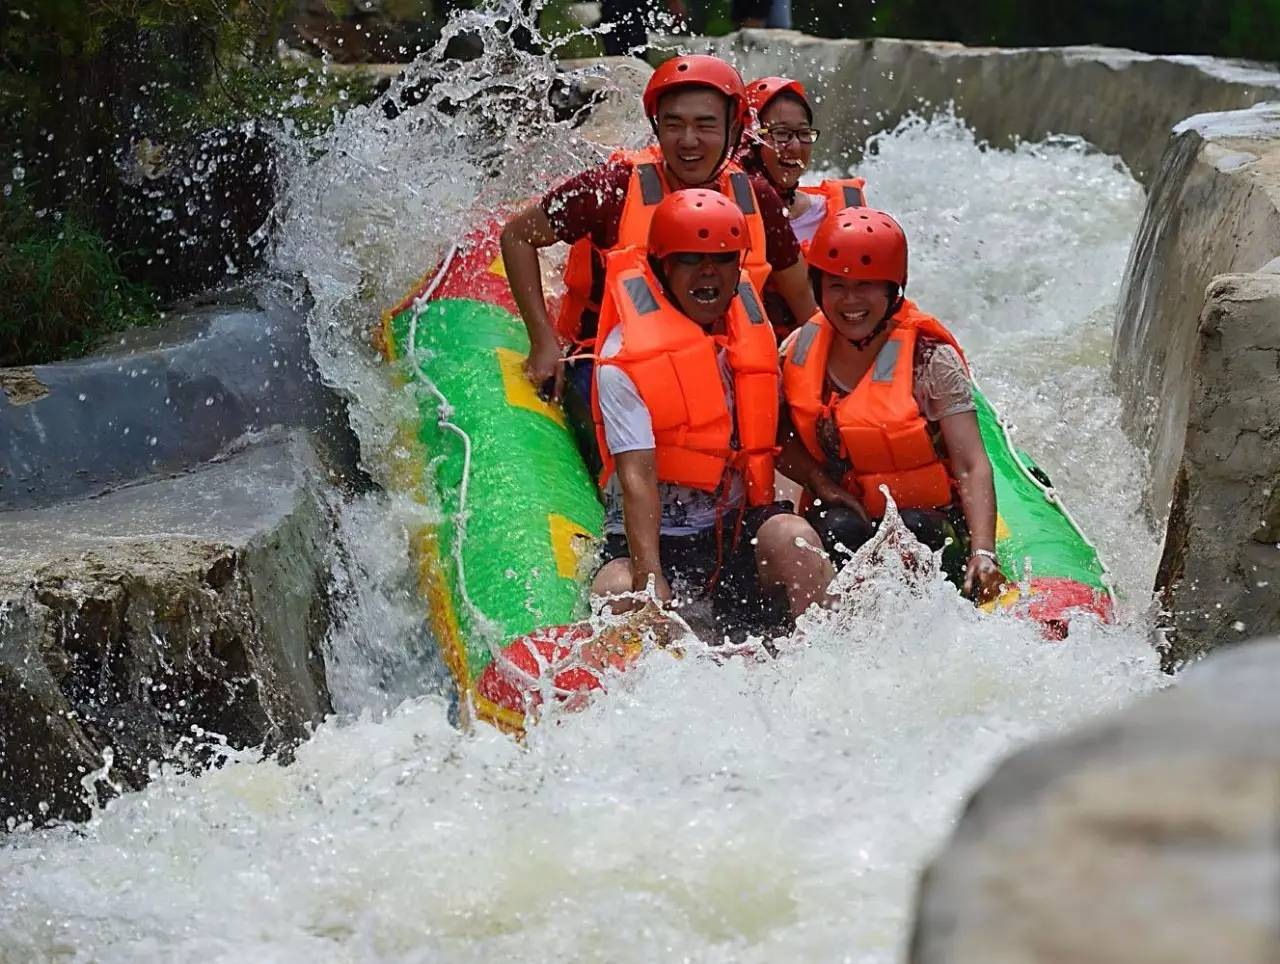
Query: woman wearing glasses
x,y
782,150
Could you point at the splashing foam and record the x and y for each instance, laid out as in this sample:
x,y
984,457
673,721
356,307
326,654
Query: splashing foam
x,y
712,810
1020,252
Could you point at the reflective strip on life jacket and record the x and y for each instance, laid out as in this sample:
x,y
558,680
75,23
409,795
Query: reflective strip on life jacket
x,y
841,193
673,363
883,434
647,187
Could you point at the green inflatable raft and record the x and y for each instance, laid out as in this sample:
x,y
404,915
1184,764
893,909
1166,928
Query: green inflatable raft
x,y
503,571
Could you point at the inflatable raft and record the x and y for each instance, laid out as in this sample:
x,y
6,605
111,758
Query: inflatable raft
x,y
503,571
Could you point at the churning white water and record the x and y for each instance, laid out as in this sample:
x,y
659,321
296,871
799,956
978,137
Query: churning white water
x,y
705,812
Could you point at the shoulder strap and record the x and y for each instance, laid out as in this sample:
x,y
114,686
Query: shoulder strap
x,y
743,195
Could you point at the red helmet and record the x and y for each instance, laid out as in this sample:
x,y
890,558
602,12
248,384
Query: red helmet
x,y
760,92
861,243
696,70
697,220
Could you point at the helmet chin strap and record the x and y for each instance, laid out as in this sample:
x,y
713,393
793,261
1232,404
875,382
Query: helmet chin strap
x,y
726,155
862,343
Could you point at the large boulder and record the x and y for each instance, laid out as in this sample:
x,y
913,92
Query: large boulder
x,y
134,621
1220,571
165,399
1122,101
1153,837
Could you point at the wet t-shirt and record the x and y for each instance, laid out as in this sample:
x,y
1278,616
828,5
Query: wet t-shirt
x,y
590,205
806,225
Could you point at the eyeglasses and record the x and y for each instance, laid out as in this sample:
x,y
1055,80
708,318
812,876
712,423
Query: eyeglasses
x,y
695,257
782,135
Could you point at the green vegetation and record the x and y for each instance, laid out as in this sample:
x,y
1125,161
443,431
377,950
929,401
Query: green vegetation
x,y
63,287
81,83
1227,28
567,37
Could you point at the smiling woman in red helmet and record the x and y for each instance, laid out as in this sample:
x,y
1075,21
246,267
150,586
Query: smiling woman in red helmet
x,y
697,108
686,409
877,393
781,148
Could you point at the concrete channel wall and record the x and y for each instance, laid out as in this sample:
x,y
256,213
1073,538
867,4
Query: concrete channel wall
x,y
1121,101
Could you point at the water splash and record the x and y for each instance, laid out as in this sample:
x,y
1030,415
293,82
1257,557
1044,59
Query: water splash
x,y
1021,252
712,810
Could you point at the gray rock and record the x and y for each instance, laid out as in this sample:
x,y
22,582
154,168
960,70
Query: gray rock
x,y
166,399
128,619
1150,837
1220,571
1214,209
1122,101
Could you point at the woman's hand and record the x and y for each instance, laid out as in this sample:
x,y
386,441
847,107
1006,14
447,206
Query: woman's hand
x,y
983,576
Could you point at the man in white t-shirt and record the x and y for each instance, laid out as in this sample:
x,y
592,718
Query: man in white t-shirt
x,y
687,408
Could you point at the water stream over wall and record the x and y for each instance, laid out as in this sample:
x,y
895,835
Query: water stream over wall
x,y
703,812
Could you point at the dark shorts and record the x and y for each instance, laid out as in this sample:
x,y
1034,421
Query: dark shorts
x,y
839,526
738,604
576,403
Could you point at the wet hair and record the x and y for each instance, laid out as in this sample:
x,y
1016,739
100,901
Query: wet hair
x,y
750,159
793,97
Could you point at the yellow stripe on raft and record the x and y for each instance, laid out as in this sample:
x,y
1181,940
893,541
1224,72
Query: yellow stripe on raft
x,y
444,625
519,390
569,543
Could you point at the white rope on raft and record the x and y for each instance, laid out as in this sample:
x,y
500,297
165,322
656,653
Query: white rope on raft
x,y
445,412
1051,496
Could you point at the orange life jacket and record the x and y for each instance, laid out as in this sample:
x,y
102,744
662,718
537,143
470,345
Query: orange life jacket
x,y
882,432
645,190
673,363
840,193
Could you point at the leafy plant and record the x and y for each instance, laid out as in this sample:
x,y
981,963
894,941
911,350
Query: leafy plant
x,y
63,288
1230,28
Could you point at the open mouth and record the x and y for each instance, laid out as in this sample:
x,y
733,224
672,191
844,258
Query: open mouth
x,y
706,294
855,317
790,165
690,158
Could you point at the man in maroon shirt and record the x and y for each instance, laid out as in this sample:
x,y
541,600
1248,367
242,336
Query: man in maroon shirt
x,y
697,106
